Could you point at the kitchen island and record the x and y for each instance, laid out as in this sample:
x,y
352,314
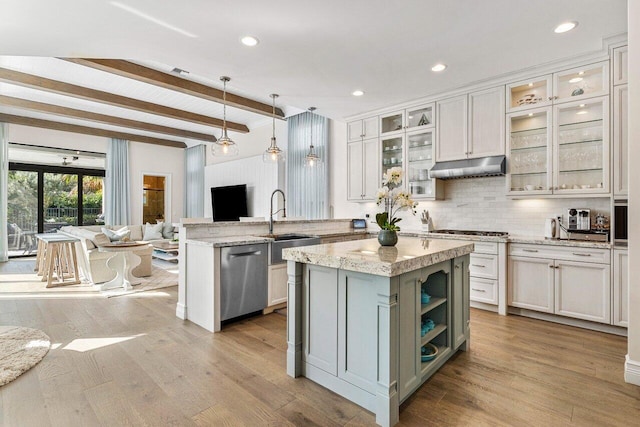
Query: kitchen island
x,y
360,315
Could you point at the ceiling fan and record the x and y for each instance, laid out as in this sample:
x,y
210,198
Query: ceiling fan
x,y
66,163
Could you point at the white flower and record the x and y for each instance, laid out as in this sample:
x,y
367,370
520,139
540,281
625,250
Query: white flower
x,y
382,194
393,177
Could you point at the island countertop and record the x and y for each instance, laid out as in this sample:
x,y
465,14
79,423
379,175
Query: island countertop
x,y
367,256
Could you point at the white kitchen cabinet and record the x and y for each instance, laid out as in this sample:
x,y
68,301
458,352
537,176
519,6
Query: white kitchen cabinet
x,y
277,280
567,281
573,160
486,123
363,175
620,141
531,283
392,154
362,129
620,287
413,118
575,84
620,66
451,136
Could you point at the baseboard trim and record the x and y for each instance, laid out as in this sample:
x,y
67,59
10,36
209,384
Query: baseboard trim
x,y
631,371
181,311
594,326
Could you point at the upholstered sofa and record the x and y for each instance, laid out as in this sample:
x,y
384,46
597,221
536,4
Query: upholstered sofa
x,y
93,264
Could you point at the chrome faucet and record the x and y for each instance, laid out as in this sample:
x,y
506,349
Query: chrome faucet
x,y
271,212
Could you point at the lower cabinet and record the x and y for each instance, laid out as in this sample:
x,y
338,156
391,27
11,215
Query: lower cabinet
x,y
277,288
620,287
550,280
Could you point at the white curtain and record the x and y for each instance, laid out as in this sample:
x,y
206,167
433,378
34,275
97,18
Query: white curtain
x,y
194,162
117,207
4,178
307,188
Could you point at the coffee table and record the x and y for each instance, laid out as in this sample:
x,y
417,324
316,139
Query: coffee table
x,y
167,251
122,262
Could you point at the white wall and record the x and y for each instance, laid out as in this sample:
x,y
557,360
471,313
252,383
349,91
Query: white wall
x,y
633,374
142,158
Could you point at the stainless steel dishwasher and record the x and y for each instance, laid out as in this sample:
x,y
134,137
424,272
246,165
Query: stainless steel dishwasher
x,y
243,280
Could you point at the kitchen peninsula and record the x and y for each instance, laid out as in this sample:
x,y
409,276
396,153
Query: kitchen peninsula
x,y
373,323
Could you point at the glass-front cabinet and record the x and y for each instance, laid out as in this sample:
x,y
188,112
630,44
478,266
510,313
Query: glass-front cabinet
x,y
582,155
392,152
414,118
529,152
419,162
392,123
580,83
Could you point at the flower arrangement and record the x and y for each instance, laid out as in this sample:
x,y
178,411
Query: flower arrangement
x,y
394,198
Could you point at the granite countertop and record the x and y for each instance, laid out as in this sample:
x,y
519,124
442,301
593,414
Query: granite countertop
x,y
186,222
367,256
221,242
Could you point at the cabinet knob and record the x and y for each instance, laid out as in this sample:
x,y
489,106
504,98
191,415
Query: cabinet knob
x,y
550,266
556,267
551,98
555,97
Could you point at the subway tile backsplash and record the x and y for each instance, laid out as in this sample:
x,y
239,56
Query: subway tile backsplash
x,y
482,204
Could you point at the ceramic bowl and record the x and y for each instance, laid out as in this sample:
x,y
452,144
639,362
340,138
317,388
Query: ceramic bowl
x,y
428,352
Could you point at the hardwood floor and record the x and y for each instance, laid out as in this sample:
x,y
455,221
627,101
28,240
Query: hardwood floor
x,y
135,363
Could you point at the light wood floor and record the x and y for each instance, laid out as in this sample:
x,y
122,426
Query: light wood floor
x,y
168,372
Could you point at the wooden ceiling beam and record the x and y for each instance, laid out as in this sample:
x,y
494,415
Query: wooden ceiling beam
x,y
102,118
85,130
68,89
144,74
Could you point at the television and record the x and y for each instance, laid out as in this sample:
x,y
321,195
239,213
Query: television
x,y
229,203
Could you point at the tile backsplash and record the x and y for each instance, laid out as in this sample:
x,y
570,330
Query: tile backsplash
x,y
482,204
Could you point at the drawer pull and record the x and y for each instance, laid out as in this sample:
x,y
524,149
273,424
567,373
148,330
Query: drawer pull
x,y
478,290
551,266
479,265
529,250
581,254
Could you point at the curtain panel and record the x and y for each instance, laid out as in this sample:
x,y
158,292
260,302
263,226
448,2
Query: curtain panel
x,y
117,200
194,162
4,178
307,187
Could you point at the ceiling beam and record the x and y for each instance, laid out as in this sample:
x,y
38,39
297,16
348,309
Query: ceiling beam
x,y
85,130
68,89
102,118
144,74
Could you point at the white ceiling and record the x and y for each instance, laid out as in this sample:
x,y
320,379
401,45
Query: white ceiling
x,y
311,53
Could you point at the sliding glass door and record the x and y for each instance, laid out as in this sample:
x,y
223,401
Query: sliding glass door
x,y
42,199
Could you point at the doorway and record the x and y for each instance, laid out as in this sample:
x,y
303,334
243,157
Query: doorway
x,y
156,203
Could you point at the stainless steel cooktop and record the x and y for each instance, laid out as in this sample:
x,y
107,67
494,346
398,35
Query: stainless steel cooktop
x,y
473,233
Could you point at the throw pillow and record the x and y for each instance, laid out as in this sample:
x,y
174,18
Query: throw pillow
x,y
117,235
167,230
153,231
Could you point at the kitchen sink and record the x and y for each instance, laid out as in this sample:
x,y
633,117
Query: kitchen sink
x,y
283,241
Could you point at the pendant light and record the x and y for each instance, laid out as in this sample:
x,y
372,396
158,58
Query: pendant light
x,y
311,159
273,154
224,146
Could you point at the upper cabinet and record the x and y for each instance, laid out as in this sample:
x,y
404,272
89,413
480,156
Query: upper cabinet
x,y
415,118
620,140
620,67
471,126
362,129
362,170
566,86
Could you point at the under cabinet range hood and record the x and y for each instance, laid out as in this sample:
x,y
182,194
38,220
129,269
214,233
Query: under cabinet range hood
x,y
469,168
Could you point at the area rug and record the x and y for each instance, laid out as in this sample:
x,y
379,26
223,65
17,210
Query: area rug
x,y
20,350
21,281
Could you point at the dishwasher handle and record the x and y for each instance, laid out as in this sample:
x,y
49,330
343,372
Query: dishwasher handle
x,y
245,254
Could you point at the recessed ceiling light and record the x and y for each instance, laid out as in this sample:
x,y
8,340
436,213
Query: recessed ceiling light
x,y
581,105
581,73
249,41
357,93
531,84
582,112
438,67
566,26
530,114
575,80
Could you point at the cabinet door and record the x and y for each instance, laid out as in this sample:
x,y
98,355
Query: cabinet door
x,y
320,318
392,154
419,162
620,287
529,152
581,83
370,128
355,172
420,117
355,131
409,375
581,147
620,140
531,93
277,284
460,301
391,123
486,123
620,66
583,290
531,283
371,171
451,140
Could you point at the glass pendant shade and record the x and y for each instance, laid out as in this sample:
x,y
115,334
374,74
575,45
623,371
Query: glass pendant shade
x,y
273,154
312,159
224,146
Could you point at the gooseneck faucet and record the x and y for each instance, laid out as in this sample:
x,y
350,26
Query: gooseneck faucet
x,y
271,212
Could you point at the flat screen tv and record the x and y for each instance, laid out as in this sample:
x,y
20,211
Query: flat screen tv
x,y
229,203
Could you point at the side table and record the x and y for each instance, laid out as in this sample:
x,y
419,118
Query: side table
x,y
122,262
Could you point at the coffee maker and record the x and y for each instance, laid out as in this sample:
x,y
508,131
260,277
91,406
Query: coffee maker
x,y
578,219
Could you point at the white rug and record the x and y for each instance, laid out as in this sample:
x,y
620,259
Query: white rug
x,y
24,282
20,350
